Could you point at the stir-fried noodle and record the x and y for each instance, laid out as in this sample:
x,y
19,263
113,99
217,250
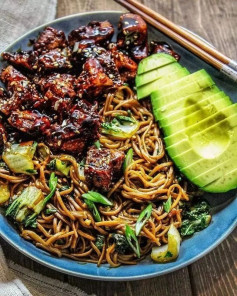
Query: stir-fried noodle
x,y
71,230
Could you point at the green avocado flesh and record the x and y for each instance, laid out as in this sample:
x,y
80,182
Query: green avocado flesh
x,y
220,183
212,142
208,149
155,74
145,90
199,122
216,175
200,126
190,104
207,143
160,102
186,119
155,61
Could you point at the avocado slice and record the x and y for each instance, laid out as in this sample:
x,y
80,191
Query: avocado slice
x,y
183,101
217,173
203,124
188,85
182,87
212,143
154,61
191,105
209,151
220,184
145,90
157,73
200,142
186,119
163,112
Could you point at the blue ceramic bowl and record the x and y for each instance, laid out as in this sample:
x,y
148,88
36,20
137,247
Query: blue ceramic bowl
x,y
224,206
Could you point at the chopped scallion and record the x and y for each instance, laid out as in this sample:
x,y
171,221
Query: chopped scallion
x,y
132,240
92,207
143,218
97,198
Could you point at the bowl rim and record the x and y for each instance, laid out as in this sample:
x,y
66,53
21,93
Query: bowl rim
x,y
98,277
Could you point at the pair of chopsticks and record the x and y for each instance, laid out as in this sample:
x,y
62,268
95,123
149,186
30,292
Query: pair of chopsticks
x,y
186,39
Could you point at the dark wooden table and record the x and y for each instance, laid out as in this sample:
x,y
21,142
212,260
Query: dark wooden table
x,y
216,273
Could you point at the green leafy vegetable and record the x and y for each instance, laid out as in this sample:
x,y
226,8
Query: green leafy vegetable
x,y
121,243
4,193
100,239
52,164
53,181
121,127
167,205
190,227
97,144
97,198
62,166
143,218
128,159
43,151
33,172
50,211
168,254
125,119
92,207
22,205
132,240
18,157
196,217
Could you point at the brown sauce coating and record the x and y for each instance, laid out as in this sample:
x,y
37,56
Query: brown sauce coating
x,y
47,89
49,39
133,36
100,32
157,47
102,166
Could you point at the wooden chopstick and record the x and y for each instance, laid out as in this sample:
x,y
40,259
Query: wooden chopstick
x,y
195,40
187,43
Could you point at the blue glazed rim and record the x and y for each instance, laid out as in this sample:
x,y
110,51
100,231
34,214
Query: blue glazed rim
x,y
192,249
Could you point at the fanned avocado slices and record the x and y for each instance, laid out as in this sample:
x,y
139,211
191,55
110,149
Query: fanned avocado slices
x,y
145,90
157,73
198,119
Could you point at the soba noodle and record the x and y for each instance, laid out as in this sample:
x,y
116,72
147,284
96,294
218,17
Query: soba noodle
x,y
72,230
